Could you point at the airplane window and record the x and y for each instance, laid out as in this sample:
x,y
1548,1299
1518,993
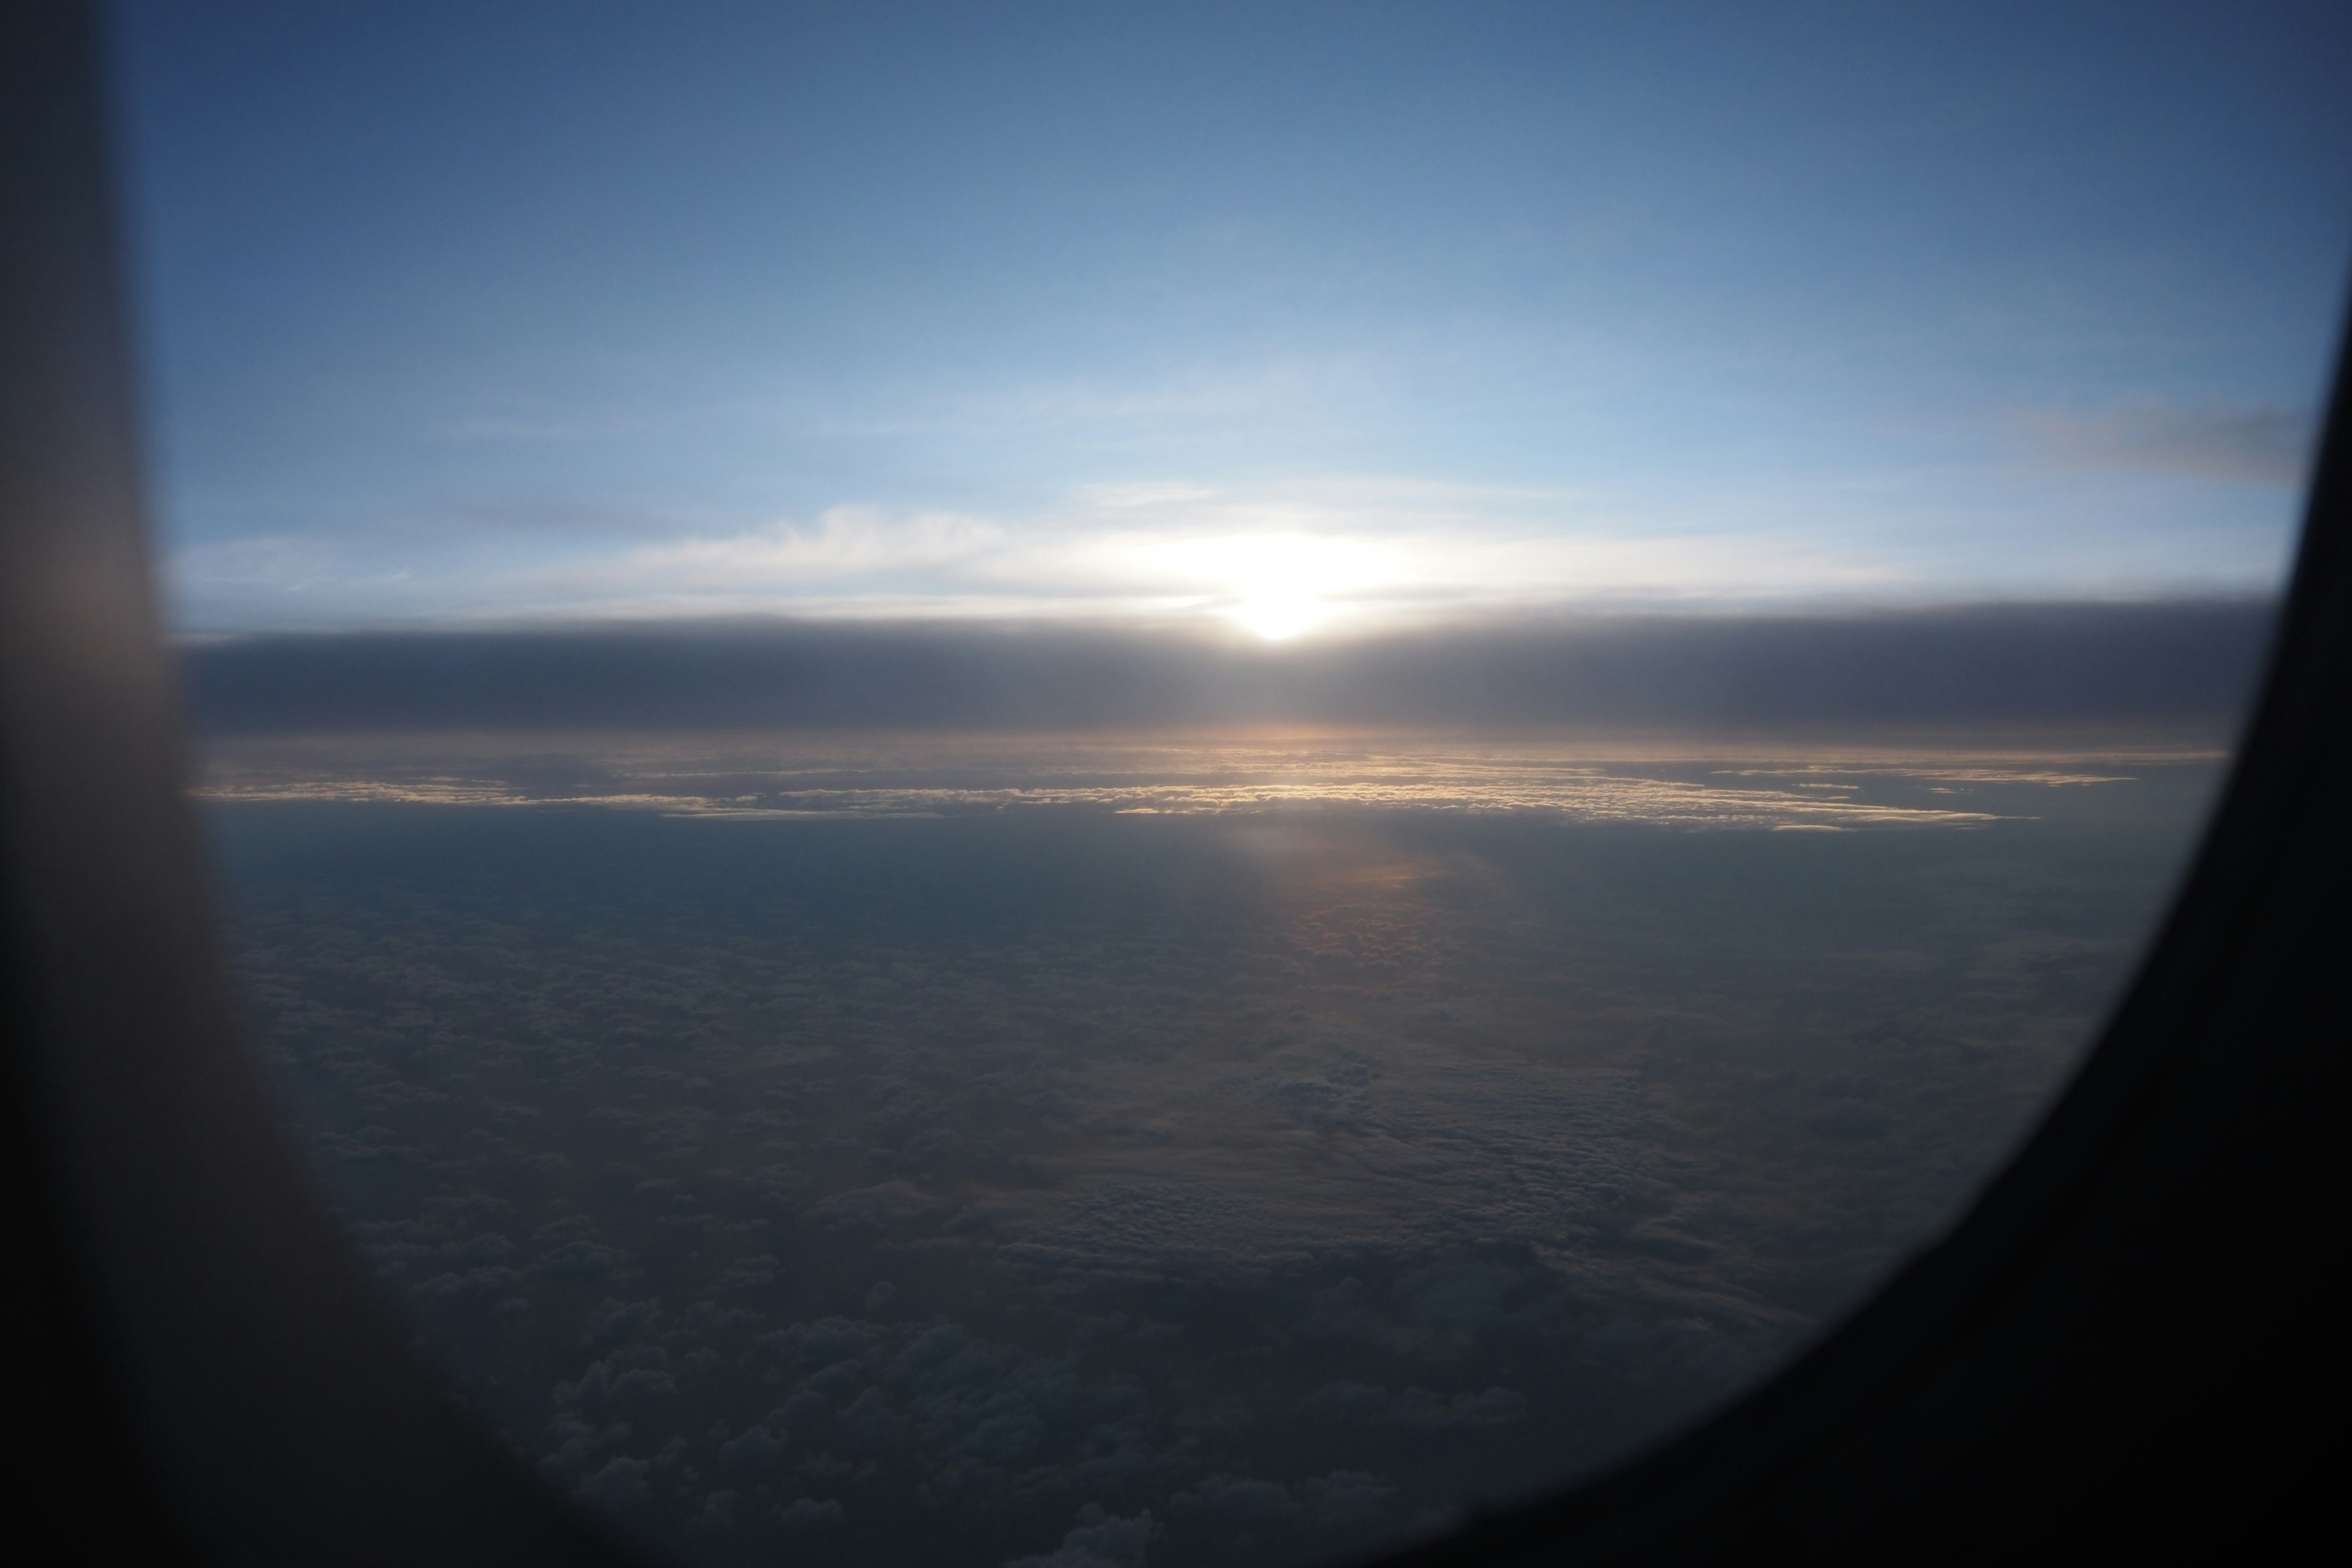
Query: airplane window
x,y
1044,785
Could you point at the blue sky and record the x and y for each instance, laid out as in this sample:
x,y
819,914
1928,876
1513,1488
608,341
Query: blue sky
x,y
1284,318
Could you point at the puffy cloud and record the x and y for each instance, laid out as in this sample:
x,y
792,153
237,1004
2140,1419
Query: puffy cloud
x,y
1100,1539
703,1317
625,1378
620,1482
1345,1497
1000,1405
612,1321
881,1207
804,1511
1264,1070
822,1341
749,1273
583,1260
803,1403
839,1378
1418,1408
579,1443
753,1450
1238,1500
1461,1292
472,1283
869,1419
1851,1121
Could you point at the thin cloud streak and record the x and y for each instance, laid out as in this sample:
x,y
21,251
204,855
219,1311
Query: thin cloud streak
x,y
2257,443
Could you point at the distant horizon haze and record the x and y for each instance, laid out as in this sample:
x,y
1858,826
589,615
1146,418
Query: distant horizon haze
x,y
2180,661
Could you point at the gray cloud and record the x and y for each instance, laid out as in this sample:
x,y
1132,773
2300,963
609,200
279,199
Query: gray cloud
x,y
1241,1499
2260,442
754,1449
1418,1409
1346,1496
631,1377
1099,1540
473,1282
2002,662
1340,1169
615,1321
622,1480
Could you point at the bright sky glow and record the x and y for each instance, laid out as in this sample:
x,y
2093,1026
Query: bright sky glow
x,y
1288,319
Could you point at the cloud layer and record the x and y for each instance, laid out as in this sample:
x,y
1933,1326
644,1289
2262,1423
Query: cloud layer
x,y
1331,554
1248,1188
1987,664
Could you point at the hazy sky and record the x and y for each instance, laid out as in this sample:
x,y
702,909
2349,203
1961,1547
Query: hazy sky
x,y
1293,315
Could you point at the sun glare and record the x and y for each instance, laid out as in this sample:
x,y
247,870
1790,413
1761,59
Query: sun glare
x,y
1277,619
1276,587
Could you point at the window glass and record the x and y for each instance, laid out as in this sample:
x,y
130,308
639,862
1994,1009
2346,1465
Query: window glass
x,y
1044,785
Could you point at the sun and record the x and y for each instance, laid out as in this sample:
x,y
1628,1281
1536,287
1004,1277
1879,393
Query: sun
x,y
1276,587
1278,617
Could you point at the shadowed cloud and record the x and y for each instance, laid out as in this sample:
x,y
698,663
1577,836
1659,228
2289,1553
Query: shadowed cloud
x,y
1979,664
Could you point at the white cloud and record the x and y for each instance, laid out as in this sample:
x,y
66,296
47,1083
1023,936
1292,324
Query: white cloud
x,y
847,541
1278,560
1333,554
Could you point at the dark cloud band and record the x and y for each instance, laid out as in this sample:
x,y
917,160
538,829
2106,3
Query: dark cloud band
x,y
1983,664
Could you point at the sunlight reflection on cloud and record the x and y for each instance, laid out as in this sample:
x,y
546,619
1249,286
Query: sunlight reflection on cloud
x,y
792,777
1280,559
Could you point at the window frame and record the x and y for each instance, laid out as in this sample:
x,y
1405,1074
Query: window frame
x,y
2126,1339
